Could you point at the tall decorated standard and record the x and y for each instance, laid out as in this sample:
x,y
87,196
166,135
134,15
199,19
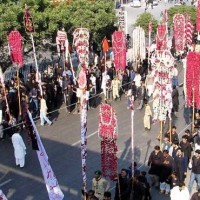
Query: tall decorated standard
x,y
108,135
119,49
139,51
81,43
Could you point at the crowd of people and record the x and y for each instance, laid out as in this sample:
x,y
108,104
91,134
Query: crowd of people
x,y
168,169
168,163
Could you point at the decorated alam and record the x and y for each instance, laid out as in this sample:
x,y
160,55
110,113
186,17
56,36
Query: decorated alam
x,y
92,84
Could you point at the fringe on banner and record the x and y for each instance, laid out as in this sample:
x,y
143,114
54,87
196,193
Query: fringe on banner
x,y
51,182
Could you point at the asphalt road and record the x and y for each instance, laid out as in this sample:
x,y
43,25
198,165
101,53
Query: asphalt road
x,y
62,143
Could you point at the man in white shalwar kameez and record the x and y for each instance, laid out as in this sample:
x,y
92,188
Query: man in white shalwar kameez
x,y
180,192
19,149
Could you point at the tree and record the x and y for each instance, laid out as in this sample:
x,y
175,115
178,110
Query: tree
x,y
98,17
190,10
143,21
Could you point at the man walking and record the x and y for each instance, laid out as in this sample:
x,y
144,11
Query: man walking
x,y
195,174
19,149
99,185
147,116
43,111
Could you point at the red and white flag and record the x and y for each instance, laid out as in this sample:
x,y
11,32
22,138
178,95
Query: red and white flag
x,y
189,30
51,182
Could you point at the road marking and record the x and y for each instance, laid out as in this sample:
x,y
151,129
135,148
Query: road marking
x,y
5,182
90,135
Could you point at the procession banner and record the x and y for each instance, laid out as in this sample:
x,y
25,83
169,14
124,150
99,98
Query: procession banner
x,y
108,134
161,37
189,30
162,71
119,49
51,182
139,51
193,79
81,43
198,16
28,20
62,43
15,47
179,32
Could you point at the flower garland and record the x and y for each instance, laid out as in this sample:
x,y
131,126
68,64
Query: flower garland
x,y
109,158
108,135
162,71
139,44
108,122
193,79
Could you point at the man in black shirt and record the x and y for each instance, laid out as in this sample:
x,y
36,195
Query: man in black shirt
x,y
195,174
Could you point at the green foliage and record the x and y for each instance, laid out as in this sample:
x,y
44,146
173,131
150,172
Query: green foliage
x,y
190,10
143,21
98,17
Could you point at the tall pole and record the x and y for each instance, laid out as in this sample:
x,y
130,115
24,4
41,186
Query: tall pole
x,y
132,135
18,90
193,110
36,64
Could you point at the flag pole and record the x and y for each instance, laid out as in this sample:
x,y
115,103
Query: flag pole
x,y
132,135
4,90
18,90
193,110
150,30
36,64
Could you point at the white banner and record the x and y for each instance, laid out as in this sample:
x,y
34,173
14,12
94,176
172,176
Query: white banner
x,y
53,188
2,196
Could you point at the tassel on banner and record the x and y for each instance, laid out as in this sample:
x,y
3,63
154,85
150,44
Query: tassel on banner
x,y
51,182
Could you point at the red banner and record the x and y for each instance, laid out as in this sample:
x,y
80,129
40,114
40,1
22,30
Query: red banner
x,y
161,37
193,79
198,17
15,45
179,32
119,49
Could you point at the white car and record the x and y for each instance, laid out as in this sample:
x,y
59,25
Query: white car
x,y
135,4
155,2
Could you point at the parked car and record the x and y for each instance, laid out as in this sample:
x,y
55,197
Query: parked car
x,y
135,4
155,2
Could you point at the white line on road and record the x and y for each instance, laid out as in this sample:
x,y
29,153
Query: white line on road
x,y
5,182
90,135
